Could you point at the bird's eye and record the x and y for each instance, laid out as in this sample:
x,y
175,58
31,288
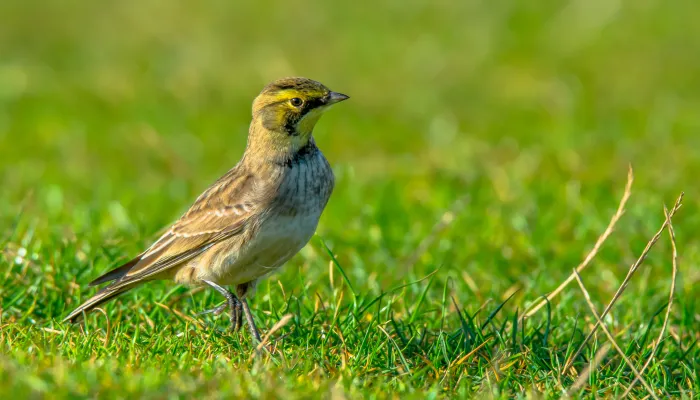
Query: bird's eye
x,y
296,102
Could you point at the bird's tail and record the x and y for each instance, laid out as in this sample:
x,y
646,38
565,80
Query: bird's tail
x,y
106,294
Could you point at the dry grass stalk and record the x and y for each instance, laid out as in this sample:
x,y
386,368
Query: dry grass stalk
x,y
594,251
610,336
674,274
581,381
281,323
627,279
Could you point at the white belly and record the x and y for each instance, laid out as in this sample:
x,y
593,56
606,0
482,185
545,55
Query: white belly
x,y
301,198
278,240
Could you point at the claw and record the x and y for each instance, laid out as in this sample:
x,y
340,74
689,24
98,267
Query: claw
x,y
216,310
237,309
232,303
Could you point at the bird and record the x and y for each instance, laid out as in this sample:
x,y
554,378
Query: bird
x,y
250,221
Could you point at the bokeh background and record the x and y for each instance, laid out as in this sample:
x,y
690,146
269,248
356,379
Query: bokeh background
x,y
115,115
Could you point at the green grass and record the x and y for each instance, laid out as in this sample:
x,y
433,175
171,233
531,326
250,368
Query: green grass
x,y
512,122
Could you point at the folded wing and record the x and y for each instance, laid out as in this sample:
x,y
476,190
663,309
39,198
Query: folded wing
x,y
220,213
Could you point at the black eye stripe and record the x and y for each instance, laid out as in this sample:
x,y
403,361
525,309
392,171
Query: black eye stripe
x,y
311,104
292,116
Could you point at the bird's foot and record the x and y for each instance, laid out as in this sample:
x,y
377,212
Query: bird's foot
x,y
216,310
232,303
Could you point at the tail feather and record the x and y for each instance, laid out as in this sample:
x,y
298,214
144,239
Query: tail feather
x,y
116,273
106,294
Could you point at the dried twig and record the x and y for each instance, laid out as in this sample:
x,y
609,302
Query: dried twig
x,y
594,250
610,336
674,273
281,323
592,366
627,279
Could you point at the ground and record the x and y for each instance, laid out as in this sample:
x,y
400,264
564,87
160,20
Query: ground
x,y
484,150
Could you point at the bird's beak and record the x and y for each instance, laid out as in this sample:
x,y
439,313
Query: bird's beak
x,y
335,97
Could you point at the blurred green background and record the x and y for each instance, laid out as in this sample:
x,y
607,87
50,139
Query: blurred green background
x,y
114,116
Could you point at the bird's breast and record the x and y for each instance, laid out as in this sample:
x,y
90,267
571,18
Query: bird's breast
x,y
287,224
306,187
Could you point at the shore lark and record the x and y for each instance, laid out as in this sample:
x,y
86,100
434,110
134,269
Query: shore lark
x,y
254,218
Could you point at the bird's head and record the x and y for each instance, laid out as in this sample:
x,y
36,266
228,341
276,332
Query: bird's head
x,y
286,111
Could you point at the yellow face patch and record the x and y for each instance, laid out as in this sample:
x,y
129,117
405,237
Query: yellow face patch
x,y
294,111
306,125
291,107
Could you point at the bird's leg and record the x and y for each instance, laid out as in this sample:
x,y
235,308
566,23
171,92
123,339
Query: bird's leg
x,y
232,302
251,323
242,291
237,317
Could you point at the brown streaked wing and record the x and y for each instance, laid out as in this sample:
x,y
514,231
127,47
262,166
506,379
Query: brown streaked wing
x,y
221,212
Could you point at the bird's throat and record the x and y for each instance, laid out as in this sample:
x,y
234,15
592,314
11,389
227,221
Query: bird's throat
x,y
278,147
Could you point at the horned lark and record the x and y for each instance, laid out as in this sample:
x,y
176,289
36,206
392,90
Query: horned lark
x,y
254,218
